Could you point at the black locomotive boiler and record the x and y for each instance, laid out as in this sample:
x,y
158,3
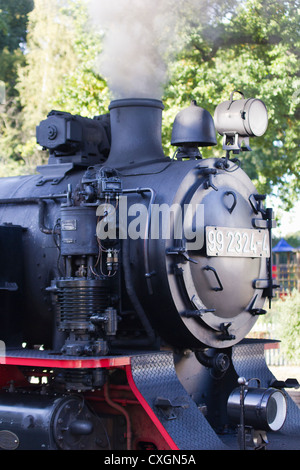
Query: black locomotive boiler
x,y
129,282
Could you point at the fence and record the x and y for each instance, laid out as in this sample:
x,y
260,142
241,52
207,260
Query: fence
x,y
287,276
276,357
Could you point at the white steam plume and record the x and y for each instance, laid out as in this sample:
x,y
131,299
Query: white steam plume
x,y
139,39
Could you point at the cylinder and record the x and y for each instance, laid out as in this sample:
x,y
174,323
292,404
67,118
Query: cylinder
x,y
40,422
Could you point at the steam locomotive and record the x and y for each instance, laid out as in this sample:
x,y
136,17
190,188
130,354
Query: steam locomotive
x,y
129,283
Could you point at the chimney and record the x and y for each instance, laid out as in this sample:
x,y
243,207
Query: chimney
x,y
135,132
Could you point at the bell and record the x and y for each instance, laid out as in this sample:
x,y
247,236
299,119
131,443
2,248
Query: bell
x,y
194,126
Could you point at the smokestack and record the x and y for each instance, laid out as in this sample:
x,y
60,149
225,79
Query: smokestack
x,y
135,132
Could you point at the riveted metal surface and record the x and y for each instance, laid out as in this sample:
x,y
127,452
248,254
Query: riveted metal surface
x,y
155,377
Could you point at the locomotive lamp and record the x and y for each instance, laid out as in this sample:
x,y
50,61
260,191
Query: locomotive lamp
x,y
237,120
256,408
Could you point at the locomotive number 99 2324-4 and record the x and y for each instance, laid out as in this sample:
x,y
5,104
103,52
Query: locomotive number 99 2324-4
x,y
237,242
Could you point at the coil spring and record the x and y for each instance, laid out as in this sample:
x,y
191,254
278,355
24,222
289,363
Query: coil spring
x,y
78,300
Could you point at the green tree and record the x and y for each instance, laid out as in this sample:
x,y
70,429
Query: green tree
x,y
50,58
58,74
254,48
83,90
13,26
284,322
13,30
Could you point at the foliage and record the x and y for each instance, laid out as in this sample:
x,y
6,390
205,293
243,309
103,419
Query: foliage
x,y
284,321
248,45
13,29
13,22
10,138
13,26
54,74
48,60
83,91
257,51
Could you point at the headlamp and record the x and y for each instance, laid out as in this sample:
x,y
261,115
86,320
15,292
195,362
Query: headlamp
x,y
263,408
237,120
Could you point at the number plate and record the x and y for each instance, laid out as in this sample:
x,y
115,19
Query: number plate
x,y
225,241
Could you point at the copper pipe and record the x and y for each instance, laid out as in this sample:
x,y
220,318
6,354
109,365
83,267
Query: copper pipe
x,y
124,401
123,411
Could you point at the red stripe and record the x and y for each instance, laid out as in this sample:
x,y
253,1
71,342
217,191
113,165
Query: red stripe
x,y
149,410
66,363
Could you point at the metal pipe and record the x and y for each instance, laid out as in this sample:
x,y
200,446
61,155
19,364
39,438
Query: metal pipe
x,y
31,200
127,274
41,201
133,297
147,231
123,411
42,227
243,383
